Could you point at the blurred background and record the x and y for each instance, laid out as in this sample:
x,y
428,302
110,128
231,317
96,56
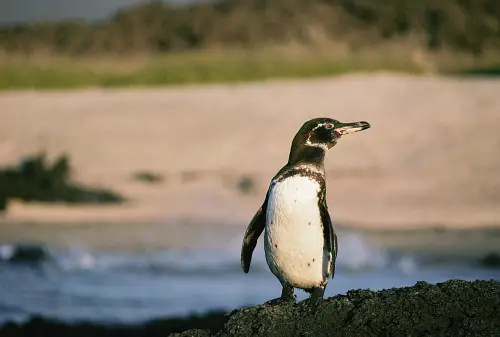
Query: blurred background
x,y
138,138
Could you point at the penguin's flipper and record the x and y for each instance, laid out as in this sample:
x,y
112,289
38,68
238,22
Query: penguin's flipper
x,y
335,250
252,234
331,242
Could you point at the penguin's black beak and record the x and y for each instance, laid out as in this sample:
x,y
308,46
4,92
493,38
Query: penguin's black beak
x,y
346,128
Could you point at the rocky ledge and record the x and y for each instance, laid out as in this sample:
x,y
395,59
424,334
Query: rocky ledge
x,y
452,308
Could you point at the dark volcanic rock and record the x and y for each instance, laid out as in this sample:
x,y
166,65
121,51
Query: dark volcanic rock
x,y
491,260
41,327
452,308
26,253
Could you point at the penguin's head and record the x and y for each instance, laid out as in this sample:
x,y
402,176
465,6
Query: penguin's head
x,y
325,132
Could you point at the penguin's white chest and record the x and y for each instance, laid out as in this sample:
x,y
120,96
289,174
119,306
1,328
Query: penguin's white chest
x,y
294,241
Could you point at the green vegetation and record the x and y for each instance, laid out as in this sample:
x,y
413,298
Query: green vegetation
x,y
178,68
245,185
482,71
148,177
33,179
248,40
156,27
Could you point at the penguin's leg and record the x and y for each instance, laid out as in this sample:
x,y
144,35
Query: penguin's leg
x,y
287,295
317,294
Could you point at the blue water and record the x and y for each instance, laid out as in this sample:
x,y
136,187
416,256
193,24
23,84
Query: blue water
x,y
82,284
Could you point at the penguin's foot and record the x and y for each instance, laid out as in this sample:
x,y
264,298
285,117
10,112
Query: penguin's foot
x,y
280,300
287,297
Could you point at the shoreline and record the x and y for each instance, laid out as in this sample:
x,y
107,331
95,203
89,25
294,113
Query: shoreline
x,y
230,207
56,220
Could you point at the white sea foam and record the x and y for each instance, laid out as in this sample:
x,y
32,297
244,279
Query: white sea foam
x,y
6,252
356,254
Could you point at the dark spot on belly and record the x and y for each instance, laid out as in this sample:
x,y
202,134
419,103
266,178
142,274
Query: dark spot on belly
x,y
314,260
309,224
295,200
308,264
275,246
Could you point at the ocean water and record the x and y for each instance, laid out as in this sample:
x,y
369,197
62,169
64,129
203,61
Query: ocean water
x,y
79,283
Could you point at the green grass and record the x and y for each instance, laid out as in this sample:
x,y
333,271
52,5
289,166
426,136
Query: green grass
x,y
209,66
492,71
181,68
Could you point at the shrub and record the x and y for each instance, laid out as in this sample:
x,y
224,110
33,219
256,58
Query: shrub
x,y
33,179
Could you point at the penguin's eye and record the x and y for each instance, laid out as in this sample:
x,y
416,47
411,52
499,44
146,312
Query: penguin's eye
x,y
328,126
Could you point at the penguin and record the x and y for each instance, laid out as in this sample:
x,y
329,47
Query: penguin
x,y
300,243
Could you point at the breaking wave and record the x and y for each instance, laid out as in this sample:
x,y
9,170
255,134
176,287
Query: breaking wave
x,y
355,256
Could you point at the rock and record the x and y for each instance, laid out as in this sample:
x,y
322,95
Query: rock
x,y
193,333
491,260
202,325
452,308
25,253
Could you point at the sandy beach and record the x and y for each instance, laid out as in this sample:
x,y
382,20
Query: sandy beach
x,y
430,159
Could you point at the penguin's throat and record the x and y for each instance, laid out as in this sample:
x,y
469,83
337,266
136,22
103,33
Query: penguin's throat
x,y
308,155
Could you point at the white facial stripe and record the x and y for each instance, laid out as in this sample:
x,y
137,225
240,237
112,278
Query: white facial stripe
x,y
320,145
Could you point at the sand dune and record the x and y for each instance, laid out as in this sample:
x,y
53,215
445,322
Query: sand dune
x,y
430,158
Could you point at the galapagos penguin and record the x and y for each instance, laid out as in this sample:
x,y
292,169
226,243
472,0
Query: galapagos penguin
x,y
300,242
